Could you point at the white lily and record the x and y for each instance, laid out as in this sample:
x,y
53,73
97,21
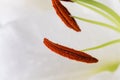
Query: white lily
x,y
23,56
11,10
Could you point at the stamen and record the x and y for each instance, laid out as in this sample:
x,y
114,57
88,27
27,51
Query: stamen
x,y
65,15
69,52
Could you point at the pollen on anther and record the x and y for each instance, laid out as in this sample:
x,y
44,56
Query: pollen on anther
x,y
65,15
69,52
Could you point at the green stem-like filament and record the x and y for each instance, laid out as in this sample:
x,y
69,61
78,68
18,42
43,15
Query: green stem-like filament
x,y
98,23
103,45
104,8
101,9
104,11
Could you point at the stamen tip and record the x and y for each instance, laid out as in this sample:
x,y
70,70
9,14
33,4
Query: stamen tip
x,y
78,30
94,60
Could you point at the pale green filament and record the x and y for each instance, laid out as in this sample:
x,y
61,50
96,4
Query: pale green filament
x,y
98,23
104,11
102,45
99,12
101,9
104,8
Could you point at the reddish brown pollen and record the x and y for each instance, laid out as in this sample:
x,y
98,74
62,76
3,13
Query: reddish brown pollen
x,y
69,52
65,15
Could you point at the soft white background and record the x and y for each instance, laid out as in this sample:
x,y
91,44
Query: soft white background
x,y
23,56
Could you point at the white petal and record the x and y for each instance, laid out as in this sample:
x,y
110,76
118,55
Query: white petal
x,y
117,74
23,55
107,75
102,76
11,10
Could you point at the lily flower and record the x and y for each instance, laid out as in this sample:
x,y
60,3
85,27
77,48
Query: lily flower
x,y
24,56
105,11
